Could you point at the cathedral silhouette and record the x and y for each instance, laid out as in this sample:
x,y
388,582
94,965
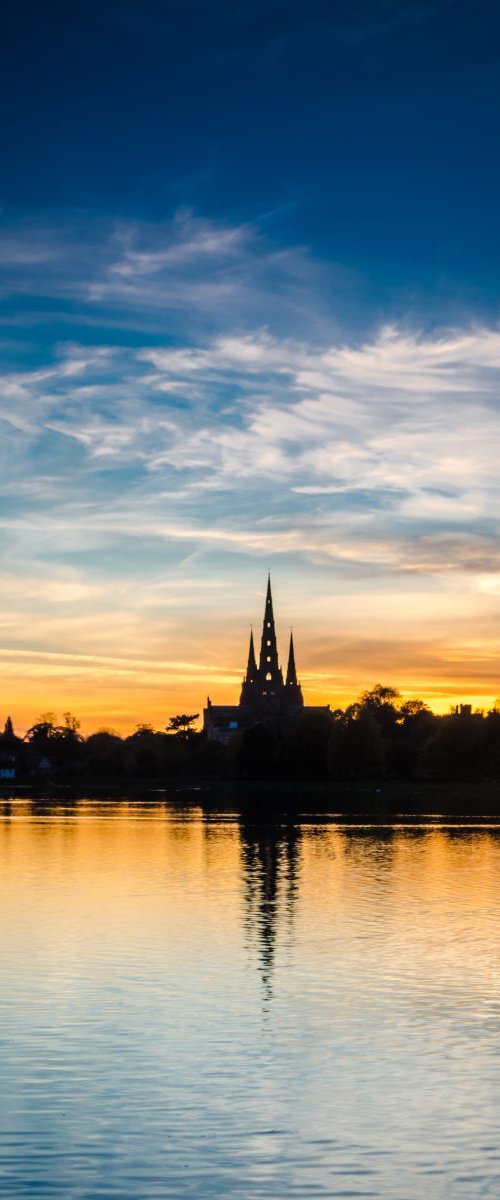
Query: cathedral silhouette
x,y
266,698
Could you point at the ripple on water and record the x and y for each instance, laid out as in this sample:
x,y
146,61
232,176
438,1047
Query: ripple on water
x,y
208,1007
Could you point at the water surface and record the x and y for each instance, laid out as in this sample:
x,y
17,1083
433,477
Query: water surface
x,y
206,1005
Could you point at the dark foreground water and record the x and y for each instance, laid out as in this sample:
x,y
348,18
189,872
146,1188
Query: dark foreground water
x,y
206,1006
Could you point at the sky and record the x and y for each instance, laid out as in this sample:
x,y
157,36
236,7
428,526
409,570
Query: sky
x,y
249,306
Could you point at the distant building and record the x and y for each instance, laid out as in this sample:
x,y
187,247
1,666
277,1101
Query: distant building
x,y
7,766
43,766
266,698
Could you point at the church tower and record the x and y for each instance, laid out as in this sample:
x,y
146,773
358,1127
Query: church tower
x,y
265,698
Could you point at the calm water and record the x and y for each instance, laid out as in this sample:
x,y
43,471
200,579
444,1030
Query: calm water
x,y
199,1006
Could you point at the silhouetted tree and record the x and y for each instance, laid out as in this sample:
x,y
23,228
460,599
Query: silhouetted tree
x,y
60,745
104,754
257,753
491,747
11,747
182,724
380,734
413,708
43,729
144,752
71,726
357,748
305,746
414,727
383,704
456,750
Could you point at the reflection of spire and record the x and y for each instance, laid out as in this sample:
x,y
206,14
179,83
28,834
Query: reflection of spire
x,y
269,855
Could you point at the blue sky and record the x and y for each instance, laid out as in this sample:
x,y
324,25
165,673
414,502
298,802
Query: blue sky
x,y
249,300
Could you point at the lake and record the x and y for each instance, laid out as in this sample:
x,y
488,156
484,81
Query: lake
x,y
207,1005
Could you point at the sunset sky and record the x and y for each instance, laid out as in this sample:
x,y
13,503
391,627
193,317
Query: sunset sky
x,y
249,266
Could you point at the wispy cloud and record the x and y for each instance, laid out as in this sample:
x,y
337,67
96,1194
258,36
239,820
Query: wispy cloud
x,y
187,241
125,274
367,462
382,442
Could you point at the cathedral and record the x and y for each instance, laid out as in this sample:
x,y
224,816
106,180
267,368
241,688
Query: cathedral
x,y
266,698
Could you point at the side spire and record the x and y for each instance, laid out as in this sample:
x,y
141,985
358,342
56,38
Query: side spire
x,y
251,674
293,688
251,680
291,673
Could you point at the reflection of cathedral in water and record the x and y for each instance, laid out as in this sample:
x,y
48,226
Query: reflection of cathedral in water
x,y
270,860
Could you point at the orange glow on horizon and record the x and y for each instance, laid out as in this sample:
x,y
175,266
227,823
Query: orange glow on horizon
x,y
103,700
117,668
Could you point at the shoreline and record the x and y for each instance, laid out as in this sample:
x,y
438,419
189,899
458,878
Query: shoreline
x,y
376,800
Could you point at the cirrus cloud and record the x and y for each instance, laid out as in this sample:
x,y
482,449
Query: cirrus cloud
x,y
365,461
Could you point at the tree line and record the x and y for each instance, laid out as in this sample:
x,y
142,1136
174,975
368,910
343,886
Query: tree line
x,y
381,736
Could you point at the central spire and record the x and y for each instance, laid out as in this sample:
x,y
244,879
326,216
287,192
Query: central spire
x,y
271,679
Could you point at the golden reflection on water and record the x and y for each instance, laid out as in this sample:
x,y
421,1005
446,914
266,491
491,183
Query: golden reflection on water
x,y
182,983
113,864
